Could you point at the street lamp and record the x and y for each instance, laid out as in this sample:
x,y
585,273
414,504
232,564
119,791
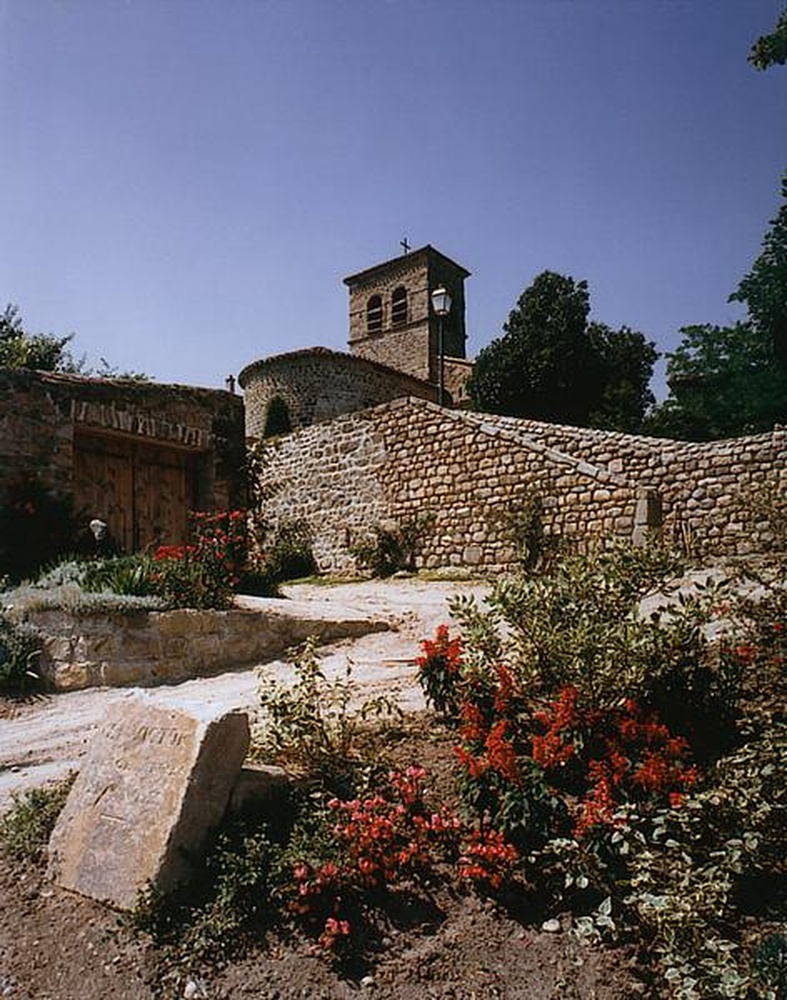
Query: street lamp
x,y
441,305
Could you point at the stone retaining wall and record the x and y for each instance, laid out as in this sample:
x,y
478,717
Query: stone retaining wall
x,y
408,457
710,491
145,648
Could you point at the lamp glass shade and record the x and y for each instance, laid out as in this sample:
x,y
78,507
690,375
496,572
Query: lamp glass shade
x,y
441,301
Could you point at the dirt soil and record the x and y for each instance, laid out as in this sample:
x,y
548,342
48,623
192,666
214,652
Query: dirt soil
x,y
58,946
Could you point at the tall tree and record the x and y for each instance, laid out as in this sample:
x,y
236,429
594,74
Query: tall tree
x,y
723,382
771,49
626,361
764,289
536,367
550,364
41,351
726,381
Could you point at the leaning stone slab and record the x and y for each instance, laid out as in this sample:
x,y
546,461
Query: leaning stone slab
x,y
153,785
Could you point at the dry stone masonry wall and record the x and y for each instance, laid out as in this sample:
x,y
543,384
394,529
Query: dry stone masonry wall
x,y
409,457
331,475
318,384
711,493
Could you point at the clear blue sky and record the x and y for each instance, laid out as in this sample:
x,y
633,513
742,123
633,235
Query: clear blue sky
x,y
185,182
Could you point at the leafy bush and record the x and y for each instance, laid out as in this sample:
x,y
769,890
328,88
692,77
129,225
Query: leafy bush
x,y
392,548
226,906
695,871
64,573
579,625
578,721
20,647
534,546
311,727
26,827
277,418
128,575
184,581
72,599
380,841
205,573
289,554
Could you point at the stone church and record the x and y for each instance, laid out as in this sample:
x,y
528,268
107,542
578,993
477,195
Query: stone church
x,y
378,434
398,346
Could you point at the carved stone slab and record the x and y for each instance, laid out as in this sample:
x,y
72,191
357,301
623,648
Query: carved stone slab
x,y
154,783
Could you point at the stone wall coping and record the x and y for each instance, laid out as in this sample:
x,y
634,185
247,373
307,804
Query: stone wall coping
x,y
525,426
490,426
118,388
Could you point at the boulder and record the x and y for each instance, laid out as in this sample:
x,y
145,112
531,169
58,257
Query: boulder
x,y
153,786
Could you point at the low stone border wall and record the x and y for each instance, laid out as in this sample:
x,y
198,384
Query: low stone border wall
x,y
144,648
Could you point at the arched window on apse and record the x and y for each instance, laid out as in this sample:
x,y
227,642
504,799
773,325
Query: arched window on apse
x,y
399,306
277,418
374,314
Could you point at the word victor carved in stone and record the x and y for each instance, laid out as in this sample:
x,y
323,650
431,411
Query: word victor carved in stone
x,y
153,785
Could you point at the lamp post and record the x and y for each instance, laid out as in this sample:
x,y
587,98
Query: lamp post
x,y
441,305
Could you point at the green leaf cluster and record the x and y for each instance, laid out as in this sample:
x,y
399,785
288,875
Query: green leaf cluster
x,y
40,351
25,828
727,381
771,49
552,364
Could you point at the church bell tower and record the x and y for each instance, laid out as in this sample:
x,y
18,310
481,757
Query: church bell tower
x,y
391,316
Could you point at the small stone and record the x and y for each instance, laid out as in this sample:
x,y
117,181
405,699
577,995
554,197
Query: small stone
x,y
368,982
194,989
551,926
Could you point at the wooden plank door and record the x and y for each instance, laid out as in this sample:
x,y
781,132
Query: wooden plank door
x,y
103,486
143,491
163,495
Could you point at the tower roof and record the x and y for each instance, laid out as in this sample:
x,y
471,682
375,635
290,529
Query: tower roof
x,y
427,251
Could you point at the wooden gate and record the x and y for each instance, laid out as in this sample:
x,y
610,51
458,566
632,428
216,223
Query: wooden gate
x,y
142,491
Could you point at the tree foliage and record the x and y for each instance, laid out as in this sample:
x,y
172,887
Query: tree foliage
x,y
40,351
726,381
764,289
626,362
551,364
771,49
723,382
47,353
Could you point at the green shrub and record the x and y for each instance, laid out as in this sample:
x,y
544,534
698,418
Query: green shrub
x,y
224,908
128,575
580,625
187,582
20,648
392,549
289,553
311,727
26,827
63,573
277,418
523,522
692,871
